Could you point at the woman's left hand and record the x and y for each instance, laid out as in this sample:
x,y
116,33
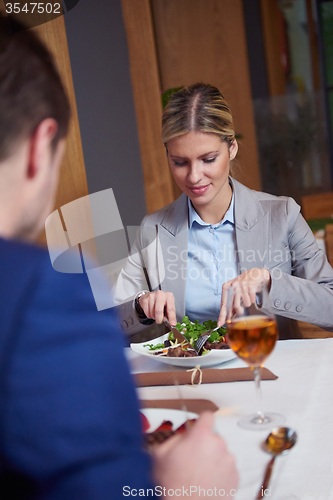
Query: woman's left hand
x,y
247,284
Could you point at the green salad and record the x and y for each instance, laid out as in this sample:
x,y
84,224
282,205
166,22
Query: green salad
x,y
192,332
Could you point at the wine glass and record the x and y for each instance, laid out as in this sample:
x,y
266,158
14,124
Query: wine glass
x,y
252,334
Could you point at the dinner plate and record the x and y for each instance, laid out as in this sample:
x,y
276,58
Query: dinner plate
x,y
156,416
212,358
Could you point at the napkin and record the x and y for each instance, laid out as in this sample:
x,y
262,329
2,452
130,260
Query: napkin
x,y
193,405
203,376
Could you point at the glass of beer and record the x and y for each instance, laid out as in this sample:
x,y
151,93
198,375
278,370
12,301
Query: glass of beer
x,y
252,334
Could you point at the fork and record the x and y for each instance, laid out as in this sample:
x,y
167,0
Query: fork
x,y
203,338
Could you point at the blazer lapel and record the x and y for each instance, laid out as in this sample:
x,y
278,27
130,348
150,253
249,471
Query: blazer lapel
x,y
252,229
173,237
252,239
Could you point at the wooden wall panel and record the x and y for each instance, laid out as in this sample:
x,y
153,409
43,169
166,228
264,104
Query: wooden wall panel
x,y
204,40
313,40
72,181
271,19
147,97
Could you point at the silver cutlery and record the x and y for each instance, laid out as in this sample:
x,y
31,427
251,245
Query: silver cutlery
x,y
204,337
181,338
279,442
177,334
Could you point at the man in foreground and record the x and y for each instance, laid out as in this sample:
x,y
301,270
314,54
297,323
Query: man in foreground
x,y
69,420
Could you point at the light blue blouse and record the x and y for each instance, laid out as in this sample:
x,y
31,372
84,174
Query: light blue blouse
x,y
212,260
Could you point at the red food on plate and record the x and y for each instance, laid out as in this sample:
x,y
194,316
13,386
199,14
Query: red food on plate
x,y
145,422
166,425
163,432
185,425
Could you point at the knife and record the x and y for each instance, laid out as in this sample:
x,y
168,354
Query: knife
x,y
180,338
176,333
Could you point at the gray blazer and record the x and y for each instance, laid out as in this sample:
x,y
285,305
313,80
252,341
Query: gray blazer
x,y
270,233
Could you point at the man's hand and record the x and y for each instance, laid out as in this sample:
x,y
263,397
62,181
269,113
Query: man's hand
x,y
197,458
246,285
158,304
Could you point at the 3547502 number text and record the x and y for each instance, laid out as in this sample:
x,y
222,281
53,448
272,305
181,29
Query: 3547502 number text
x,y
31,7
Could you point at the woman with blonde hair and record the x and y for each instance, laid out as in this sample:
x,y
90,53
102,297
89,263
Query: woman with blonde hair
x,y
219,233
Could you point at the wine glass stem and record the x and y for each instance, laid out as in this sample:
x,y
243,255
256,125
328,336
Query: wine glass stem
x,y
257,378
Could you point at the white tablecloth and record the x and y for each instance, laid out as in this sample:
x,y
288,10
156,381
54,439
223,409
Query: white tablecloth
x,y
303,393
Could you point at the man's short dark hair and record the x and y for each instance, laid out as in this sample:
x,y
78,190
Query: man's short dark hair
x,y
30,88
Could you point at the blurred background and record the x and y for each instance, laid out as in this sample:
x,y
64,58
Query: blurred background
x,y
272,60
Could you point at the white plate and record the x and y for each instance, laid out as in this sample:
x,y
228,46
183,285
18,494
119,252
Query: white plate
x,y
214,357
156,416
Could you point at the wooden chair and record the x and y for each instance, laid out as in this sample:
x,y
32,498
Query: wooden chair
x,y
309,331
329,242
317,206
320,206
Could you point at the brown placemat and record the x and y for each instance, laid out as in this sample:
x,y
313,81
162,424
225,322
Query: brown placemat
x,y
205,376
194,405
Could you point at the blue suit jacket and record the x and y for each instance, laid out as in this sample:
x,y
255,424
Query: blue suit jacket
x,y
69,421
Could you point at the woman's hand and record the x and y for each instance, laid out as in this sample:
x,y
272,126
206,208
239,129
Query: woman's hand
x,y
246,284
158,304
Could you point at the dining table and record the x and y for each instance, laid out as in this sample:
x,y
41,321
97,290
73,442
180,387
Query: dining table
x,y
302,393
